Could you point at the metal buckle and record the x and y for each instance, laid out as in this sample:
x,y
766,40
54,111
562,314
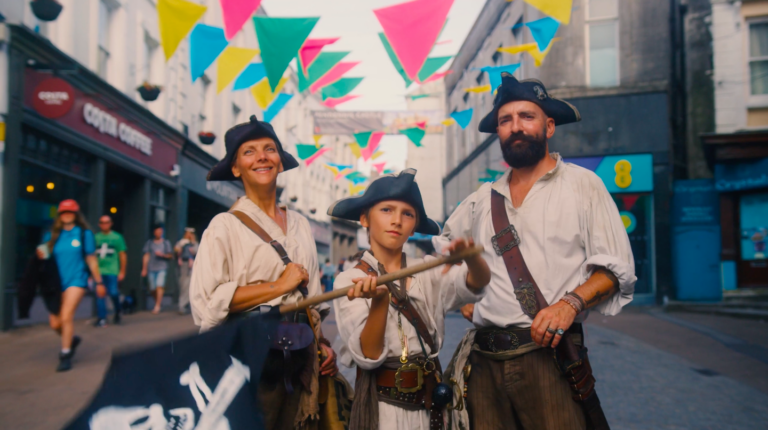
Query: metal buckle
x,y
409,368
513,243
513,341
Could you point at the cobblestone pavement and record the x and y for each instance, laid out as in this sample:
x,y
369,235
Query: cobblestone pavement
x,y
654,370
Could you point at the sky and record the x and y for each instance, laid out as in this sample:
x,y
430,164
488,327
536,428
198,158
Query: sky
x,y
355,23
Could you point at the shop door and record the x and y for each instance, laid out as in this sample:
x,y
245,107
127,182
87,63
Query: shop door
x,y
200,212
753,224
636,211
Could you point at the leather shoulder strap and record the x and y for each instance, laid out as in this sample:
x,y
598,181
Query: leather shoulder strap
x,y
506,243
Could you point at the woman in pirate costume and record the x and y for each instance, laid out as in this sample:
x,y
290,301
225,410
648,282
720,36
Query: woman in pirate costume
x,y
393,333
260,255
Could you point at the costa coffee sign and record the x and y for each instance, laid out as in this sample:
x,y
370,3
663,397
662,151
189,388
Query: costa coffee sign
x,y
108,124
53,98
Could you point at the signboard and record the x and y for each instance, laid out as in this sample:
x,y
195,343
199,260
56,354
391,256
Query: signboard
x,y
632,173
695,202
92,119
744,175
390,122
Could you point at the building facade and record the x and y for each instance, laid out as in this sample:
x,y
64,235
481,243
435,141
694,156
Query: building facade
x,y
619,63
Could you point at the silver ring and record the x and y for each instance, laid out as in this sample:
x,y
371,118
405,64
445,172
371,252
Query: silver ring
x,y
560,332
550,330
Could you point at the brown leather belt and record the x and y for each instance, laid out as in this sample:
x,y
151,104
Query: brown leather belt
x,y
497,339
387,378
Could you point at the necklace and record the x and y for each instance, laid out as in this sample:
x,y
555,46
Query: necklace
x,y
403,340
281,216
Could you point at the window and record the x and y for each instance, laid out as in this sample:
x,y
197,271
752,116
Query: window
x,y
149,49
602,43
105,15
758,57
479,78
236,113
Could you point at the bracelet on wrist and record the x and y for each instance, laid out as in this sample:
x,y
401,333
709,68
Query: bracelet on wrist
x,y
574,302
583,305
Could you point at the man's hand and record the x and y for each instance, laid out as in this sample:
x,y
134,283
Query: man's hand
x,y
121,276
468,311
328,366
557,316
143,273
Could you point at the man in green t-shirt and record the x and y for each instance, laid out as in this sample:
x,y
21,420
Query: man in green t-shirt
x,y
110,249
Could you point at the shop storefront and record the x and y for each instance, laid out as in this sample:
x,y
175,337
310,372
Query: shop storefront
x,y
740,163
72,135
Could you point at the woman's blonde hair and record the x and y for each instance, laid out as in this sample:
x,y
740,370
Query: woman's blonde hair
x,y
58,226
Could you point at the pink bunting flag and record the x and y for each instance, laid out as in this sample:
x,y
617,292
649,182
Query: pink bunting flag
x,y
235,13
380,167
422,124
315,156
373,144
437,76
333,75
332,103
412,29
311,49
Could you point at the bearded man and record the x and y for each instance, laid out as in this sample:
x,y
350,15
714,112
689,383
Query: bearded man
x,y
556,247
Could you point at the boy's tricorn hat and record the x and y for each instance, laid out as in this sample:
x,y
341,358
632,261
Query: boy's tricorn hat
x,y
402,187
239,134
531,90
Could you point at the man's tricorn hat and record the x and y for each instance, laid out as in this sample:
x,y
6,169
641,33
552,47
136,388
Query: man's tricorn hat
x,y
531,90
402,187
239,134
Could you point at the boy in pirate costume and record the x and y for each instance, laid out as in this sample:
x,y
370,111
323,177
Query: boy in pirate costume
x,y
556,246
393,333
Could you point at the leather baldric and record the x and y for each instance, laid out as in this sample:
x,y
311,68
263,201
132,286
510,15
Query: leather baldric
x,y
256,228
506,244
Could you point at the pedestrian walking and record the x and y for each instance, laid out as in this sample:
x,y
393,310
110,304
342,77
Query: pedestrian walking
x,y
157,252
260,255
113,260
70,241
396,347
328,271
556,246
185,250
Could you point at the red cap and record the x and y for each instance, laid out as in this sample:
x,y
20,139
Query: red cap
x,y
69,205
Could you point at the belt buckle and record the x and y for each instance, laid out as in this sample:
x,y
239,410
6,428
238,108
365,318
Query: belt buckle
x,y
512,243
409,368
513,341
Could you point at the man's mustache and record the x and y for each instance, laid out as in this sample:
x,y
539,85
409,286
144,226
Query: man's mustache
x,y
521,137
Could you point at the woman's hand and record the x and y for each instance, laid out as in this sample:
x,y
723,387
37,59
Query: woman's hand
x,y
468,311
328,366
39,254
294,276
366,288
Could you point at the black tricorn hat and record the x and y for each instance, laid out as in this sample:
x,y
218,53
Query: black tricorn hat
x,y
240,134
402,187
531,90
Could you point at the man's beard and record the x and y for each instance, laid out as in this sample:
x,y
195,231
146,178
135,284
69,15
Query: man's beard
x,y
528,152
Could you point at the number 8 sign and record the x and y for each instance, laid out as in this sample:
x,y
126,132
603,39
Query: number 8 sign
x,y
623,178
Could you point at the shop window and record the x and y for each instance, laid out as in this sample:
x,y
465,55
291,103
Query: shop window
x,y
753,214
758,57
602,43
41,150
636,211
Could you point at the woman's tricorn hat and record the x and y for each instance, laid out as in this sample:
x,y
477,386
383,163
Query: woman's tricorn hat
x,y
402,187
531,90
239,134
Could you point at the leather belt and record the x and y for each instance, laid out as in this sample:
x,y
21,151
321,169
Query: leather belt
x,y
297,317
392,378
497,339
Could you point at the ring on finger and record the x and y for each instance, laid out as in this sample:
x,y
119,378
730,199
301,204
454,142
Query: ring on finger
x,y
550,330
560,332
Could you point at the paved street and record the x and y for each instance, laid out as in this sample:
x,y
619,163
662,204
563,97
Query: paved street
x,y
655,370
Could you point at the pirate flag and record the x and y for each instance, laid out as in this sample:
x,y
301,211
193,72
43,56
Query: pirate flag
x,y
203,382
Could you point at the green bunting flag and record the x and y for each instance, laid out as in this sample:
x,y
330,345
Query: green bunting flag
x,y
395,60
415,134
340,88
322,65
363,138
280,40
431,66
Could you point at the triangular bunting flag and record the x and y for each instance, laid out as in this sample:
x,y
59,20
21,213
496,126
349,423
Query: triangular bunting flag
x,y
333,75
415,134
531,48
235,13
309,153
480,89
355,148
332,103
231,62
418,96
376,155
252,74
340,88
363,138
436,76
205,44
356,177
394,60
337,170
263,94
388,171
543,31
538,56
431,66
176,19
310,50
463,117
280,40
494,73
448,122
373,144
356,189
379,167
319,68
412,29
558,9
280,101
421,124
316,138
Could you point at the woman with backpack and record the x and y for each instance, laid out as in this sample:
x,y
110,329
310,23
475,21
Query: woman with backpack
x,y
71,243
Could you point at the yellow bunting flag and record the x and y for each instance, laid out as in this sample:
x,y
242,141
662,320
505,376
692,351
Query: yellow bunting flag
x,y
263,94
557,9
356,189
538,56
376,155
231,62
355,149
316,138
531,48
480,89
448,122
176,19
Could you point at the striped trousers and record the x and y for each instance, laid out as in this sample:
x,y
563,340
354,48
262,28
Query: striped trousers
x,y
524,393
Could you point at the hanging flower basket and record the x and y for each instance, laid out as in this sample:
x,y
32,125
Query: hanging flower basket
x,y
149,92
206,137
46,10
313,211
294,199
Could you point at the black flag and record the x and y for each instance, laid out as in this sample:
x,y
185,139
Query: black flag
x,y
203,382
